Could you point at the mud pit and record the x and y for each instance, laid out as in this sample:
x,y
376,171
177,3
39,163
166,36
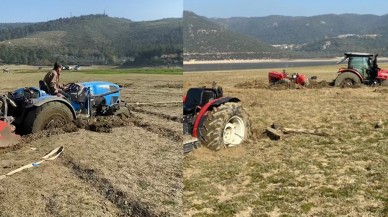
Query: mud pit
x,y
111,166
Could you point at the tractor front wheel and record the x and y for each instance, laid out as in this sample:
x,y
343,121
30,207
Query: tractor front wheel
x,y
123,111
284,81
347,79
49,115
225,126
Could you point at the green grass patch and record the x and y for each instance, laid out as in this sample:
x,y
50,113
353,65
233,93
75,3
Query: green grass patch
x,y
343,192
307,207
159,71
199,186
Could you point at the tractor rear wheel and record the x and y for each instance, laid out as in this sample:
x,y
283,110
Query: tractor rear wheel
x,y
225,126
347,79
49,115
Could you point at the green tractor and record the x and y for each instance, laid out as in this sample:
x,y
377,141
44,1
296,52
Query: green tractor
x,y
362,69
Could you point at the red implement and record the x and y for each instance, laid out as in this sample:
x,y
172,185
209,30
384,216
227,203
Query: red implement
x,y
7,136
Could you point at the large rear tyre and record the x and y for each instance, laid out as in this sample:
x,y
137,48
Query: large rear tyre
x,y
347,79
49,115
225,126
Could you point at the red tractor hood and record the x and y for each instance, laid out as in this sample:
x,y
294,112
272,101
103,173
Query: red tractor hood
x,y
277,75
382,74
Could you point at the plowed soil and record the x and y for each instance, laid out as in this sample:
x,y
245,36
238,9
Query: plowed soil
x,y
262,84
111,166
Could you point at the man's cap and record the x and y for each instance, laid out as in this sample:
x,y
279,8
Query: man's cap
x,y
56,65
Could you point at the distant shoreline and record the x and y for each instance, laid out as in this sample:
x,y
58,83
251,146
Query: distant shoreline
x,y
336,59
223,65
258,60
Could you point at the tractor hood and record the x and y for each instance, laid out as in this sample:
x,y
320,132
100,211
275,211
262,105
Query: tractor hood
x,y
109,91
101,87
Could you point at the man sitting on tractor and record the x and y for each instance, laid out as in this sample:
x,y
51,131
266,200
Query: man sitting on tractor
x,y
51,80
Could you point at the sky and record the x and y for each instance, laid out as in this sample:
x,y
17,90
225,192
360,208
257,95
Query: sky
x,y
17,11
261,8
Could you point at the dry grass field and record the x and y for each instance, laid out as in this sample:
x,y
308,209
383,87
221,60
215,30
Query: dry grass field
x,y
343,173
136,170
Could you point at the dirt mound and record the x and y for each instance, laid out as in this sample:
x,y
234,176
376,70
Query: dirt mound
x,y
98,124
101,123
313,85
252,84
258,84
319,84
284,86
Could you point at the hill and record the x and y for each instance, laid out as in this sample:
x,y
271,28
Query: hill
x,y
93,39
206,40
323,35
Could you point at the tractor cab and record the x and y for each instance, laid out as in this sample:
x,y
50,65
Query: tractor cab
x,y
362,68
363,63
198,97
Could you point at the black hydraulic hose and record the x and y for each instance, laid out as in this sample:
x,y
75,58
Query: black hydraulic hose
x,y
5,106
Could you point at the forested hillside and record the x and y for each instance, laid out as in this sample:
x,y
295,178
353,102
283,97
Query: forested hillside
x,y
323,35
275,36
204,39
93,39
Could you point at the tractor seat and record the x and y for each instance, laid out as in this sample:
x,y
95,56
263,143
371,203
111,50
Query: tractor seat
x,y
188,110
43,86
189,107
197,97
193,99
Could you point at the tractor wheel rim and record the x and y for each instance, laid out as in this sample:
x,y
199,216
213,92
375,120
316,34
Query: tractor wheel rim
x,y
348,82
234,131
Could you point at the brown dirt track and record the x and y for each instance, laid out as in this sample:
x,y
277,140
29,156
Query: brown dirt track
x,y
342,174
129,167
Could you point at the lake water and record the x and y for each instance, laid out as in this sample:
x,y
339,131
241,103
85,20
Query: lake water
x,y
258,65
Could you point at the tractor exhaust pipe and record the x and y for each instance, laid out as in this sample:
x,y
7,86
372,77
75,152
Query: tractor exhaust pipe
x,y
105,94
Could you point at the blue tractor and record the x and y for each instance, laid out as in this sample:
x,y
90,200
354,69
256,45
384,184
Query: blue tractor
x,y
31,109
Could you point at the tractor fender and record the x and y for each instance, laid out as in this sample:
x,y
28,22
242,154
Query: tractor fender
x,y
209,106
45,99
351,71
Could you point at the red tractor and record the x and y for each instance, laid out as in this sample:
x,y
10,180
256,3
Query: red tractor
x,y
213,120
362,69
275,77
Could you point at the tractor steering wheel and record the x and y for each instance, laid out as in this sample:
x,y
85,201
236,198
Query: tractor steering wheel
x,y
70,87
